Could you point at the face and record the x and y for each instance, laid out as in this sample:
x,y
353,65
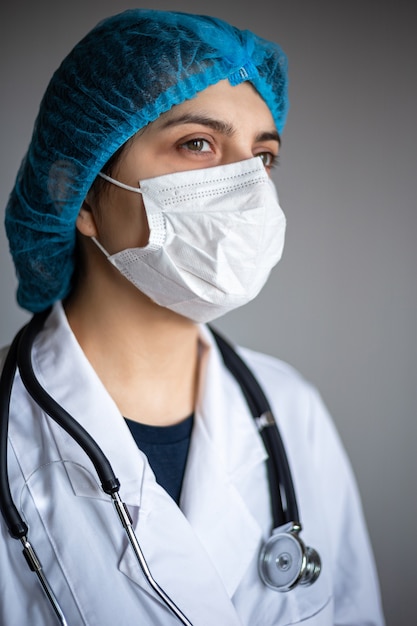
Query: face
x,y
222,124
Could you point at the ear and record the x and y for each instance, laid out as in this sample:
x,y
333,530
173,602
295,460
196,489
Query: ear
x,y
85,222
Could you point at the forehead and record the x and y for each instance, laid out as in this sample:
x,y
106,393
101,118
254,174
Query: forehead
x,y
237,104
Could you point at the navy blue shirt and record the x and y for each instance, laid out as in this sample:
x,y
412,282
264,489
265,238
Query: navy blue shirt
x,y
166,448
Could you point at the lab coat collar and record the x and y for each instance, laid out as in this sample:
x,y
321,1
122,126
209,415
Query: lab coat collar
x,y
216,466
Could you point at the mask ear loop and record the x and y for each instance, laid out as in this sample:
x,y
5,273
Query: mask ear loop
x,y
100,247
113,181
157,226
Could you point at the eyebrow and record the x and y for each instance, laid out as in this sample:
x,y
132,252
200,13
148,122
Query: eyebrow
x,y
269,136
218,125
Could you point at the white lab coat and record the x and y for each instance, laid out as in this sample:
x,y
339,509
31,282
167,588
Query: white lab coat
x,y
203,554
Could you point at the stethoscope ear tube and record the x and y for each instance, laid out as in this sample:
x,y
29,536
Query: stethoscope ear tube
x,y
19,355
109,482
17,527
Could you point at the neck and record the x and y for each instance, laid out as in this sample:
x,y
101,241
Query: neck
x,y
145,355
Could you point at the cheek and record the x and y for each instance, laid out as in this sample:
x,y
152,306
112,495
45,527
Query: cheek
x,y
122,223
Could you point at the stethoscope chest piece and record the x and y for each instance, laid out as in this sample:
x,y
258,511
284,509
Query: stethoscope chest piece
x,y
285,561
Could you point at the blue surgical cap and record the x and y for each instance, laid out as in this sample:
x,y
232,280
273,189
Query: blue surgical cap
x,y
122,75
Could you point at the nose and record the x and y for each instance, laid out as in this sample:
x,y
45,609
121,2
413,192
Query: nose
x,y
234,152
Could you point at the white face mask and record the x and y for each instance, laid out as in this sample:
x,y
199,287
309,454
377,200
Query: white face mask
x,y
215,235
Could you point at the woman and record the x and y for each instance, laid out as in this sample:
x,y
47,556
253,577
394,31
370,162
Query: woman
x,y
144,209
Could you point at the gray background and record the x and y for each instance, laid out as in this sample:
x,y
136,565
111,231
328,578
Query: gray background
x,y
341,306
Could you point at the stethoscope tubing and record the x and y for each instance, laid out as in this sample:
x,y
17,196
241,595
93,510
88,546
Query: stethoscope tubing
x,y
109,482
279,474
17,527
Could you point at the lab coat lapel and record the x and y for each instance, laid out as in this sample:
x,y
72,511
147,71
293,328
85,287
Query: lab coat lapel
x,y
177,560
224,449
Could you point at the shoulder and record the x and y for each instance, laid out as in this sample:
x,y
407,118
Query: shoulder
x,y
286,389
277,376
295,401
269,364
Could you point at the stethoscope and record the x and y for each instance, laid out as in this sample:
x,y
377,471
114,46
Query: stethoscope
x,y
284,560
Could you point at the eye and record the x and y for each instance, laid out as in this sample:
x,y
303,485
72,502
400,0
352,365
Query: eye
x,y
197,145
268,159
